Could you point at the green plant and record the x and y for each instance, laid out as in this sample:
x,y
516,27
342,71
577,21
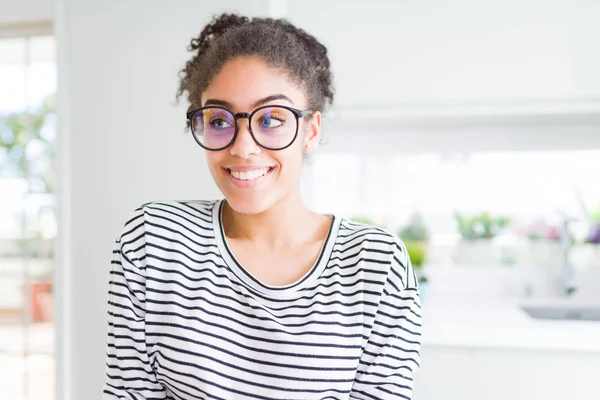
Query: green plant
x,y
480,226
27,139
595,215
591,215
417,251
415,236
415,229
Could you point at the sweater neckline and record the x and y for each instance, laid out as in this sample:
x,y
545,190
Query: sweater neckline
x,y
252,281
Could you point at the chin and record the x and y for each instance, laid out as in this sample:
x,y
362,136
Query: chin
x,y
246,197
249,205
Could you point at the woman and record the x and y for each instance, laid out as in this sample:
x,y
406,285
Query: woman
x,y
254,296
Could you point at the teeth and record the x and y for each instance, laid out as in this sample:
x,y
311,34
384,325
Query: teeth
x,y
249,175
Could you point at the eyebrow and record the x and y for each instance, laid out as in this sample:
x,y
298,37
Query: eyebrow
x,y
217,102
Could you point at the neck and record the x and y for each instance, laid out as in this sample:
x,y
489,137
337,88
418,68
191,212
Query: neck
x,y
276,227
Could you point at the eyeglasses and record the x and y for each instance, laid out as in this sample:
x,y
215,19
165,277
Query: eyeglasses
x,y
272,127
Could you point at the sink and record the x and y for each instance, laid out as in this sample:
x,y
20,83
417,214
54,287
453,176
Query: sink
x,y
563,312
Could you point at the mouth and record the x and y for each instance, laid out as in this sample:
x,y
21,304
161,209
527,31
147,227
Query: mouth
x,y
250,176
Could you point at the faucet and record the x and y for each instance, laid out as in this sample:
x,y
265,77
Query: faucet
x,y
567,273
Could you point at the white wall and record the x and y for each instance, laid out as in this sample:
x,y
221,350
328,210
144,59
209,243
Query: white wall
x,y
121,143
25,11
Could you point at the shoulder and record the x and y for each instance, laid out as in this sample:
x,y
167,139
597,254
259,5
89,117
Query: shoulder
x,y
380,247
179,207
369,236
161,212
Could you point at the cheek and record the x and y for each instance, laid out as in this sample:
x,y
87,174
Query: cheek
x,y
213,160
291,161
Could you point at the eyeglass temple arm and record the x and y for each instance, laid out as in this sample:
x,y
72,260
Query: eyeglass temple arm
x,y
190,114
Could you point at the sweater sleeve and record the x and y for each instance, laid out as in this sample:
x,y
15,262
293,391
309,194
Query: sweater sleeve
x,y
129,375
392,353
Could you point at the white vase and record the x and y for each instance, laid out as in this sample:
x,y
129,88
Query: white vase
x,y
542,254
585,256
476,252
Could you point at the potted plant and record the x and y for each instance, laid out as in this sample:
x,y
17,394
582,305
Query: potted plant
x,y
586,253
477,232
542,245
415,237
593,239
417,251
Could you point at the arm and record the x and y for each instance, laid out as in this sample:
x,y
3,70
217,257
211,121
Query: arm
x,y
392,352
129,375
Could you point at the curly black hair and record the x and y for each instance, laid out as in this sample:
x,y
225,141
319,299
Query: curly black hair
x,y
276,41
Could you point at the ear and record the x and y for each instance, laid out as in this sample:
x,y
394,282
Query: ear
x,y
312,133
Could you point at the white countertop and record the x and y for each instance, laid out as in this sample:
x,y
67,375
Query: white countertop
x,y
477,323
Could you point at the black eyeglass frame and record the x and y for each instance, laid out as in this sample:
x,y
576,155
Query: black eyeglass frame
x,y
297,113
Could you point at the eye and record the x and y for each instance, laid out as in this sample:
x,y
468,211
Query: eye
x,y
219,123
271,121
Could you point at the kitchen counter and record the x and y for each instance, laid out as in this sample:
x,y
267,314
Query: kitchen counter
x,y
477,323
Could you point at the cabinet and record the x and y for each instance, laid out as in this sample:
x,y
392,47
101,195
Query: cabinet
x,y
451,53
499,374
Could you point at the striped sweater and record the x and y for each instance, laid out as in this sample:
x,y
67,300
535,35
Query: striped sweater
x,y
187,321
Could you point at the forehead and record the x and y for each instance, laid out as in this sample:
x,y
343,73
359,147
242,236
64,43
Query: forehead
x,y
244,80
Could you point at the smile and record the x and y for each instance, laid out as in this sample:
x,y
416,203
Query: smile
x,y
249,176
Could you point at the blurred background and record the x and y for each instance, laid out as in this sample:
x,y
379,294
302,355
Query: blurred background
x,y
471,129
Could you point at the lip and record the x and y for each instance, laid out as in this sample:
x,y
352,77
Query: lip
x,y
242,168
247,183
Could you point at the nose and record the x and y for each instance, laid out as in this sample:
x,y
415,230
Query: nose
x,y
244,145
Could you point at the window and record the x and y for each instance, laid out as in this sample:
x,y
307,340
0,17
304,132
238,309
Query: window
x,y
27,216
480,208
